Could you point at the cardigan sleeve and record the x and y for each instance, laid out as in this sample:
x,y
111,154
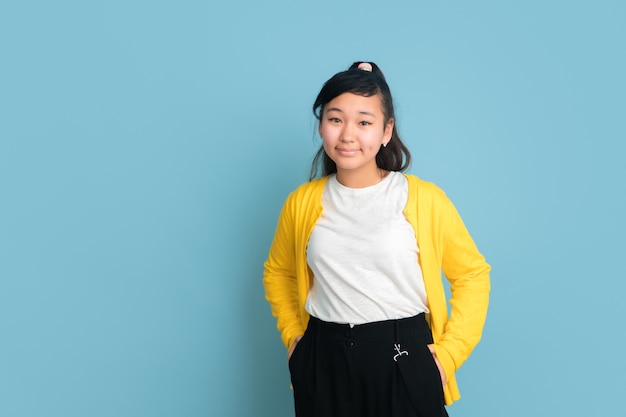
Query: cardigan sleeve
x,y
279,277
468,273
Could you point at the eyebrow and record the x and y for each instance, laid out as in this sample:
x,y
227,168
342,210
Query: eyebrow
x,y
341,111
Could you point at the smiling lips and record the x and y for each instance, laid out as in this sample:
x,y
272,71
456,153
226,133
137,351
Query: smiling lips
x,y
348,152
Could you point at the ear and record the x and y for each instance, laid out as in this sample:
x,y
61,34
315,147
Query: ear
x,y
388,131
319,128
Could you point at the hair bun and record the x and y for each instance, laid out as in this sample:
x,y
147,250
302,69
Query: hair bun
x,y
365,66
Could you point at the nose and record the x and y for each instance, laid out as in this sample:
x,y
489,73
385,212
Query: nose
x,y
347,134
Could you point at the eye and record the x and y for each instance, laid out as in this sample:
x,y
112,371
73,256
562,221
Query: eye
x,y
365,123
334,120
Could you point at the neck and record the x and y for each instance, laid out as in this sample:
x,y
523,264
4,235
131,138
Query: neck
x,y
352,179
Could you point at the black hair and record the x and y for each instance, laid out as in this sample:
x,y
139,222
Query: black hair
x,y
393,157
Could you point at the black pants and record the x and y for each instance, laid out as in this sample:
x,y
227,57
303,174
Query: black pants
x,y
381,369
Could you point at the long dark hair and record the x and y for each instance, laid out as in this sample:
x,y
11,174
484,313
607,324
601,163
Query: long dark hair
x,y
393,157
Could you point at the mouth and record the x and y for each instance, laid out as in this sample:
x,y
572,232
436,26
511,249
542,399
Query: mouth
x,y
347,152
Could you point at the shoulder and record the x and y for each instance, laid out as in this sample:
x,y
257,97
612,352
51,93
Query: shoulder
x,y
308,188
308,195
425,189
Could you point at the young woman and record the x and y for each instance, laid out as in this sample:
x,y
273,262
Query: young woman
x,y
354,274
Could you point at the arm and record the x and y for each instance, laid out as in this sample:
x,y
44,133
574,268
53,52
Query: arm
x,y
279,279
468,273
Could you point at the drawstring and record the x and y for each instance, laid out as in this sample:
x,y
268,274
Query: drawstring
x,y
396,345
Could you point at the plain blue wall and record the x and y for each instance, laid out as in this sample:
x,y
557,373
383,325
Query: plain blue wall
x,y
146,148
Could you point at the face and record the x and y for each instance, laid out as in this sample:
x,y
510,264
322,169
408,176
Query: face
x,y
353,128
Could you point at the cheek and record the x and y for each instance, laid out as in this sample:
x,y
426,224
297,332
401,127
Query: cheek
x,y
324,130
326,140
373,141
328,135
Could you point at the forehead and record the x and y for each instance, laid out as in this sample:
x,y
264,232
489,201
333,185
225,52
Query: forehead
x,y
354,103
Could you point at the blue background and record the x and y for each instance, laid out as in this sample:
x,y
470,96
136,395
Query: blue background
x,y
146,148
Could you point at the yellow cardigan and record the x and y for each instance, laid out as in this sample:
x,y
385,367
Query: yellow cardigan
x,y
444,244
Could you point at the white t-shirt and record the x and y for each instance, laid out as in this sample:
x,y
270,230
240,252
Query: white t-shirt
x,y
364,255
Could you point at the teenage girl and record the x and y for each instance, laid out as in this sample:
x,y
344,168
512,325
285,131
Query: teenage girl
x,y
354,273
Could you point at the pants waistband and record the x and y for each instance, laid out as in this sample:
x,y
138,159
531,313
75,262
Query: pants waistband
x,y
386,329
